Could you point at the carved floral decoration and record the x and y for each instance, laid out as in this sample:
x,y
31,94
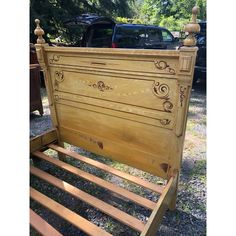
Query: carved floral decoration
x,y
59,77
100,85
54,58
162,65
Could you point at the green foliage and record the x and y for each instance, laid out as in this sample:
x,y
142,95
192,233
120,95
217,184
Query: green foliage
x,y
173,24
172,14
52,14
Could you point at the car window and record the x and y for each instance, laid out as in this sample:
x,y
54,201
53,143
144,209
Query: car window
x,y
100,37
153,36
167,37
133,37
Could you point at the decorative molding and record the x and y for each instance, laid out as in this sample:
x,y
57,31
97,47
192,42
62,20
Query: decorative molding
x,y
165,121
54,58
162,65
100,85
182,90
185,63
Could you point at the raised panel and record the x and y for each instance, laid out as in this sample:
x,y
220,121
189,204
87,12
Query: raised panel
x,y
153,93
151,64
136,135
154,164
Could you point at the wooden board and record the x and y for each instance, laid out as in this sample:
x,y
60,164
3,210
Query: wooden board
x,y
41,226
67,214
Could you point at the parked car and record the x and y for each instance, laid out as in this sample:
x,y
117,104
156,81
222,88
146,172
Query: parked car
x,y
104,32
200,68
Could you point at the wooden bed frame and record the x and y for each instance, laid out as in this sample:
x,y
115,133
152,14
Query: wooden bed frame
x,y
125,104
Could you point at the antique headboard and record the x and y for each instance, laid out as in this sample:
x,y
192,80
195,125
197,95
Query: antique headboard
x,y
129,105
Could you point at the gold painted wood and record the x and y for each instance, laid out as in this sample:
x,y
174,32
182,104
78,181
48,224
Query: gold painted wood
x,y
67,214
129,105
101,94
162,205
41,141
93,201
42,226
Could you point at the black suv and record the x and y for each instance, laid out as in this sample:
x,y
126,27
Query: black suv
x,y
104,32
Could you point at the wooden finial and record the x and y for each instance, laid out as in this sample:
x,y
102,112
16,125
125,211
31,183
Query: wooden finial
x,y
39,32
192,28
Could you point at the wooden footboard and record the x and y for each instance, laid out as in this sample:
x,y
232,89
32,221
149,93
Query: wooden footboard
x,y
129,105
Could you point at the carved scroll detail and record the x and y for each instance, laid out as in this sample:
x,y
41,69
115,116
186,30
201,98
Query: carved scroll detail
x,y
182,90
54,58
162,92
167,105
162,65
100,85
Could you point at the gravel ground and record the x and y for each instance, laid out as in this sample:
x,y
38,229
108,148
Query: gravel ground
x,y
188,219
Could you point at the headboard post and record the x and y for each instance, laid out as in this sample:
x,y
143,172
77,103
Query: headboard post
x,y
185,77
40,50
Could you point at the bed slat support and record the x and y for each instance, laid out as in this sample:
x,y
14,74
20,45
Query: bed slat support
x,y
67,214
40,225
111,170
105,184
93,201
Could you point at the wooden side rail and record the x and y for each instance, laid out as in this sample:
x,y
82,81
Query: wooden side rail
x,y
40,141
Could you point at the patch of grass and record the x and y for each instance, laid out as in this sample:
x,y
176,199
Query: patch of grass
x,y
200,168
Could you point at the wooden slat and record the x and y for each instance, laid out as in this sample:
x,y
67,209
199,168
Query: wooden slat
x,y
67,214
105,184
93,201
160,209
40,225
133,179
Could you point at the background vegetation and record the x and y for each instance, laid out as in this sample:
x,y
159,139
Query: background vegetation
x,y
172,14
